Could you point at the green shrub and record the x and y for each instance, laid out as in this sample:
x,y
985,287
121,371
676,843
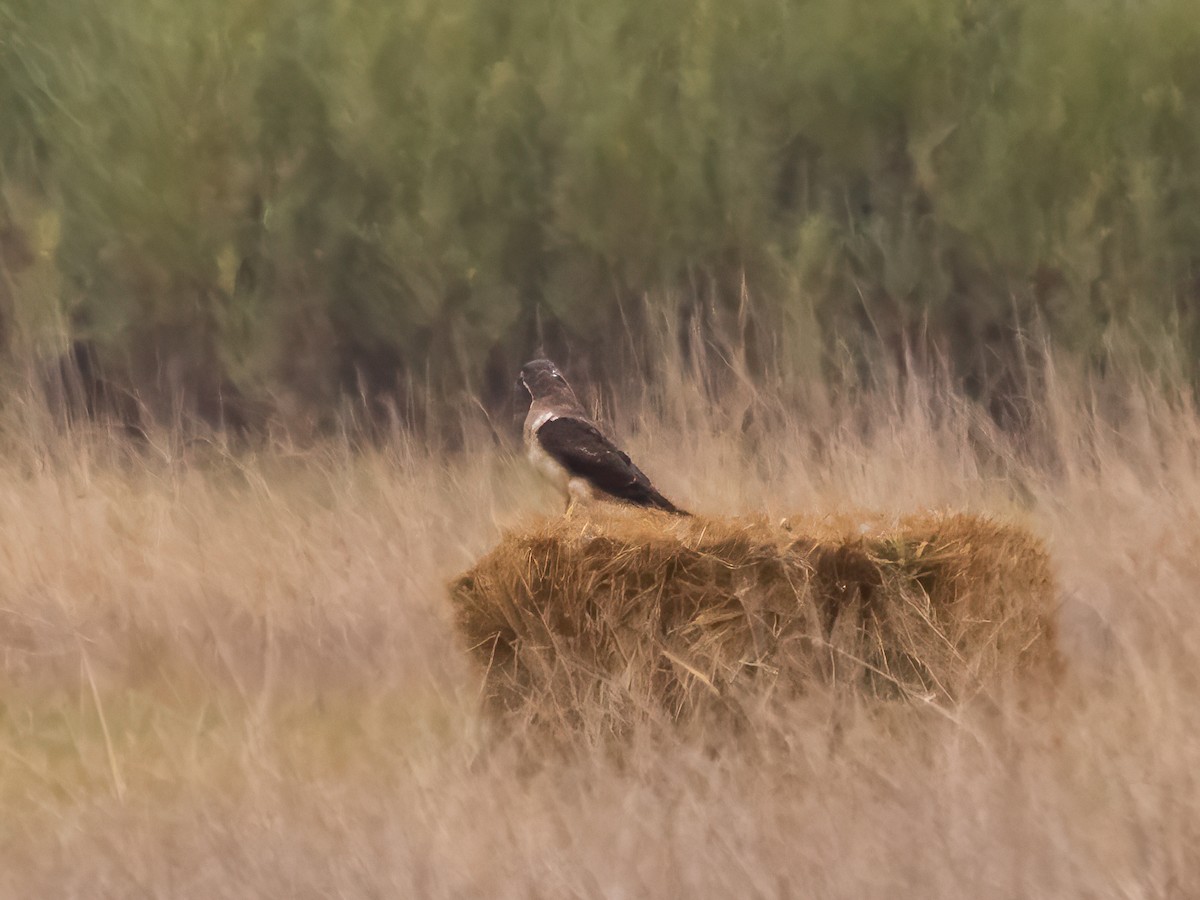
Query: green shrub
x,y
294,200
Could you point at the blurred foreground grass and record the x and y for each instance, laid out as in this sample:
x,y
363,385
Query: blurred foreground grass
x,y
230,674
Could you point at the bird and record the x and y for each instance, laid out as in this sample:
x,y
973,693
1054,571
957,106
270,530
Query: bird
x,y
571,450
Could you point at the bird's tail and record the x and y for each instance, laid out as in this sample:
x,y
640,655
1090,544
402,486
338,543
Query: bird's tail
x,y
658,501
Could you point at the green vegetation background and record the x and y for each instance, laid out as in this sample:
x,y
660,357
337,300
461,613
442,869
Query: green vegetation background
x,y
288,201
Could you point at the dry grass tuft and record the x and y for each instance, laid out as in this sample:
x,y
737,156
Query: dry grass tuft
x,y
602,619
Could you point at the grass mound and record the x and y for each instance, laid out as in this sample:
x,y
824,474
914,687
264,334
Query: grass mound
x,y
613,615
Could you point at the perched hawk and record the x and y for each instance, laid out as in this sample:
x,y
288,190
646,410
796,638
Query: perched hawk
x,y
569,448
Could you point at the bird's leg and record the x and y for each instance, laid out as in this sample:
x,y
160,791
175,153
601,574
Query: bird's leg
x,y
571,504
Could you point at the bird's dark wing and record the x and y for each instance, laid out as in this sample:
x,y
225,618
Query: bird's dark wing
x,y
584,452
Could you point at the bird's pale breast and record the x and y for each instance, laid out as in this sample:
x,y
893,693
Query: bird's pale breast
x,y
543,461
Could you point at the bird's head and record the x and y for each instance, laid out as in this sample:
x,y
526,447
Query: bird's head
x,y
541,380
541,377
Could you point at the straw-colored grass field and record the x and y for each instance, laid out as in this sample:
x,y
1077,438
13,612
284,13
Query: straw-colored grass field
x,y
238,674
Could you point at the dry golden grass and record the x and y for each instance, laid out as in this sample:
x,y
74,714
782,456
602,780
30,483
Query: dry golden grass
x,y
238,675
595,621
